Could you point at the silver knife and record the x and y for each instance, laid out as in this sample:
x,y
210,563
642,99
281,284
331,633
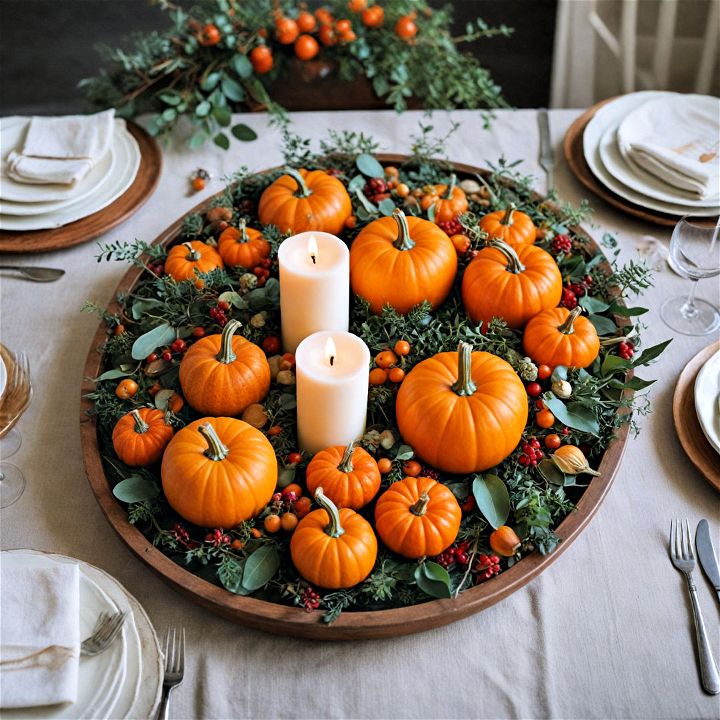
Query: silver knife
x,y
706,553
546,159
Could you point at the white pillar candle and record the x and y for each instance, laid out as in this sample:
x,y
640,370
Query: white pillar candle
x,y
332,371
314,286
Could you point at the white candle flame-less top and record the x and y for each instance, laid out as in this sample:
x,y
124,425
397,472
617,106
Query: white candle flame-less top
x,y
314,286
332,370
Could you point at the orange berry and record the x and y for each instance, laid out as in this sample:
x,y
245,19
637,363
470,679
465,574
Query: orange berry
x,y
378,376
396,375
255,533
402,348
198,183
544,372
286,30
350,222
289,521
293,487
175,403
392,171
236,544
412,468
126,389
405,28
324,16
373,16
274,430
348,37
261,59
302,506
118,329
327,36
306,47
402,190
271,523
306,22
357,6
154,389
544,419
343,26
385,359
461,243
384,465
210,35
552,442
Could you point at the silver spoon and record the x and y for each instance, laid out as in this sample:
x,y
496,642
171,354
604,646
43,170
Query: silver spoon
x,y
37,274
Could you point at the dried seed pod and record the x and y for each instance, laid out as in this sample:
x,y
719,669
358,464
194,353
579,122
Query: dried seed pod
x,y
387,439
286,377
571,460
255,415
562,388
275,362
217,214
470,186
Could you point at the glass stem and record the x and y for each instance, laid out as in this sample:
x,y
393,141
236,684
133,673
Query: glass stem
x,y
688,309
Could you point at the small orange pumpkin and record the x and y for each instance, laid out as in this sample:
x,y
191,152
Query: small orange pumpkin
x,y
509,225
417,516
140,437
348,475
559,336
401,261
333,548
217,472
224,374
448,201
304,200
243,246
462,412
183,260
514,283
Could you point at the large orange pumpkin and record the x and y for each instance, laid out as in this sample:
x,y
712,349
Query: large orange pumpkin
x,y
348,475
401,261
140,437
333,548
305,200
448,201
558,336
183,260
513,283
509,225
462,412
243,246
223,374
417,516
217,472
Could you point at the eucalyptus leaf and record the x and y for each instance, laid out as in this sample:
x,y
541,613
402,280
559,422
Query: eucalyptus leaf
x,y
256,299
612,363
135,489
550,472
161,335
357,183
232,89
234,299
405,452
260,567
593,305
170,98
386,206
162,398
618,309
230,573
634,383
493,499
369,166
222,115
143,305
111,375
210,82
243,132
242,66
573,415
221,140
559,373
203,109
603,325
433,580
272,292
197,140
288,401
650,354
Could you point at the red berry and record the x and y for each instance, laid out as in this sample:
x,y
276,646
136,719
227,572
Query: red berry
x,y
534,389
179,346
524,460
579,289
167,355
271,344
152,357
293,458
562,244
199,332
266,263
461,558
451,227
569,299
588,280
224,306
534,442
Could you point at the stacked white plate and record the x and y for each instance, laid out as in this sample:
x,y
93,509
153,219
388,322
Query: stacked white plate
x,y
44,207
125,681
707,400
608,164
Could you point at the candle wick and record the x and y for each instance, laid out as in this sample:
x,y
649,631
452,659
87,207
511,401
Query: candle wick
x,y
332,360
313,259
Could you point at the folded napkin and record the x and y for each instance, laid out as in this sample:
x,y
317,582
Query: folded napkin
x,y
61,149
677,139
39,635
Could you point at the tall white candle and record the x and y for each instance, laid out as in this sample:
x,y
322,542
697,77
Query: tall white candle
x,y
314,286
332,371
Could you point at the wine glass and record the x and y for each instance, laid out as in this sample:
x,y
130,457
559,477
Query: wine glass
x,y
695,254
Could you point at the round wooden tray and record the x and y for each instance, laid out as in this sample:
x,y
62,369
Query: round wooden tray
x,y
691,436
88,228
573,149
282,619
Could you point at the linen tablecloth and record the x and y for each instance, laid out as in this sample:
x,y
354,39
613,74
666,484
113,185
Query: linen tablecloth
x,y
604,632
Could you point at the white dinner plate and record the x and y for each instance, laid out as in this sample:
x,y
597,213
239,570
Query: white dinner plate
x,y
12,134
3,375
592,136
707,400
127,154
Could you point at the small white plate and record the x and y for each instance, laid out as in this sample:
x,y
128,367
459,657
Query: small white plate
x,y
3,375
127,154
707,400
12,133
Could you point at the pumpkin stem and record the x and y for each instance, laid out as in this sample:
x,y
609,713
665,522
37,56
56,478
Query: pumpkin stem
x,y
226,354
346,464
193,255
404,241
464,385
420,506
140,425
508,217
567,328
216,449
451,187
514,264
303,190
334,528
243,232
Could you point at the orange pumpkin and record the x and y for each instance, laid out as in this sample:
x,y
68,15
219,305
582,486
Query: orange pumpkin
x,y
513,283
558,336
448,201
183,260
140,437
243,246
509,225
417,516
333,548
348,475
305,200
401,261
217,472
224,374
462,412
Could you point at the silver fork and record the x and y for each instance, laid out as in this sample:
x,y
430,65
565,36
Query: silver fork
x,y
683,558
106,630
174,667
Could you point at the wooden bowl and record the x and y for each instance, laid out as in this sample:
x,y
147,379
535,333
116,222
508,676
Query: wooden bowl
x,y
294,621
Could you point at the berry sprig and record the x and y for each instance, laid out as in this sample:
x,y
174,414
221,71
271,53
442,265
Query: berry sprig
x,y
531,453
487,566
626,350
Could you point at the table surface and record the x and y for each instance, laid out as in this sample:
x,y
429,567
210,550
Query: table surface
x,y
605,632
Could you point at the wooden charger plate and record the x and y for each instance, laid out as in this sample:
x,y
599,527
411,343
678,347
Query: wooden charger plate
x,y
575,156
691,435
90,227
294,621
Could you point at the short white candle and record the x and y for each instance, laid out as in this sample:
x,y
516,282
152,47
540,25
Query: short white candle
x,y
314,286
332,371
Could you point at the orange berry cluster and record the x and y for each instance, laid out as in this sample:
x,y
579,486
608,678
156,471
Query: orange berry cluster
x,y
386,364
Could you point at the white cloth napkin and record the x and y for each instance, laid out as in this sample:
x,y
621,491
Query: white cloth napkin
x,y
62,149
39,635
677,139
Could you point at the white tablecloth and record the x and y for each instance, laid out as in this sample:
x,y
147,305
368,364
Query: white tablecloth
x,y
605,632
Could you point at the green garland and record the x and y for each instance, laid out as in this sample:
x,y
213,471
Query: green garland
x,y
245,560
